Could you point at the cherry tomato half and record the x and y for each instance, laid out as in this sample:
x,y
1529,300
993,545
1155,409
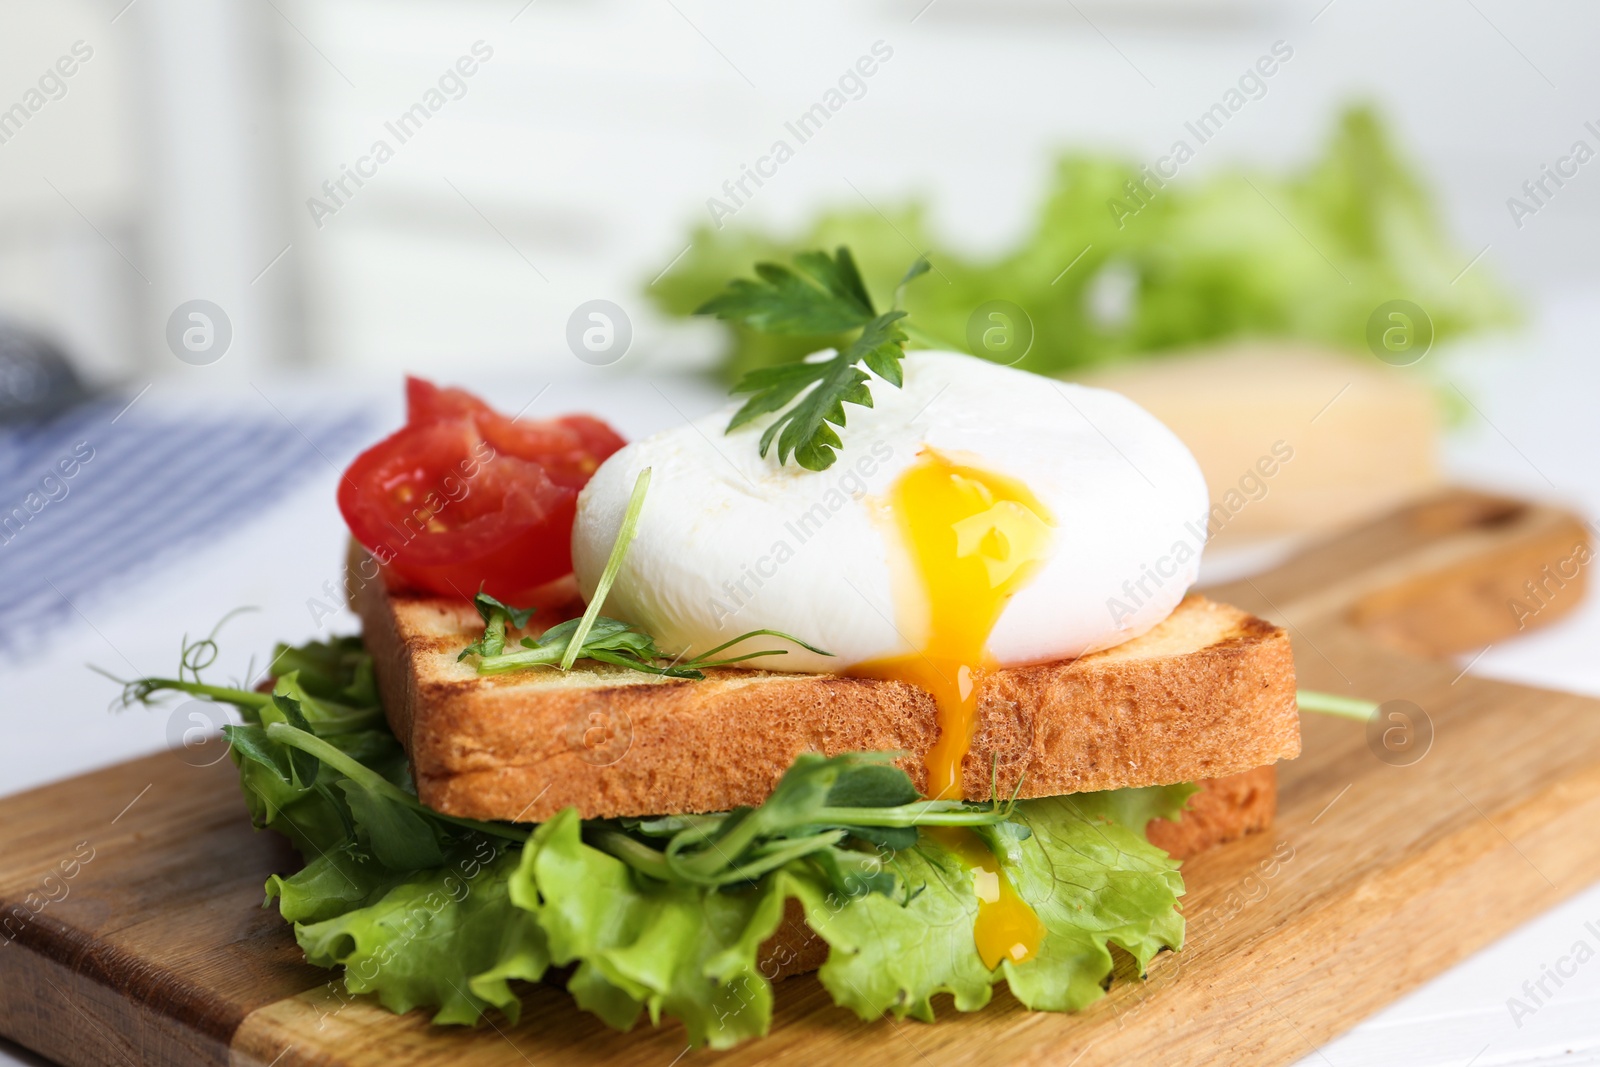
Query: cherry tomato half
x,y
569,448
464,498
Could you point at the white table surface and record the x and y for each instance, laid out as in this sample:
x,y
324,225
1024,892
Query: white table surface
x,y
1535,433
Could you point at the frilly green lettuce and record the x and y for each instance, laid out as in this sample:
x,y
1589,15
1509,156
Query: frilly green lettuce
x,y
1307,255
452,937
666,917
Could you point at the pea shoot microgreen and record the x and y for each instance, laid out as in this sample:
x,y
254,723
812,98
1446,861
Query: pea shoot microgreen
x,y
1333,704
596,637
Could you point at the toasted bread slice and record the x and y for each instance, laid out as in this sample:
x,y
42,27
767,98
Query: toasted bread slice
x,y
1208,693
1224,810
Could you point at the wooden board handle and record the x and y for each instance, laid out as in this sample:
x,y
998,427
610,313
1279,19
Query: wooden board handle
x,y
1448,574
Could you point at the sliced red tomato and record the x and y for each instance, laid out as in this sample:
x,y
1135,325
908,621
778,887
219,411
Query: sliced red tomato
x,y
464,498
569,448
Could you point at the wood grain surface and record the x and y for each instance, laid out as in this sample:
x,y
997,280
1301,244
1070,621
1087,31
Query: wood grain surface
x,y
130,899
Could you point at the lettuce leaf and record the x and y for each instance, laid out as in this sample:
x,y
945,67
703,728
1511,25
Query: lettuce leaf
x,y
666,917
645,945
446,937
1093,882
641,947
1305,255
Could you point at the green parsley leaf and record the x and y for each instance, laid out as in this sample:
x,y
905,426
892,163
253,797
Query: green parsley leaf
x,y
827,296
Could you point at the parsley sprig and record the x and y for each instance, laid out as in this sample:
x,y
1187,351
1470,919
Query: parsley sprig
x,y
595,637
825,294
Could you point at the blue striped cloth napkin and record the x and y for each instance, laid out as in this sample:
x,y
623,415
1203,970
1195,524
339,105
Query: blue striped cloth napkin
x,y
104,493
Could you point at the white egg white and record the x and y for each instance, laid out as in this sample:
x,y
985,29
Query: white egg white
x,y
730,542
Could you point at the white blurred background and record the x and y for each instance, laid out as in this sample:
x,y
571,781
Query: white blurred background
x,y
181,159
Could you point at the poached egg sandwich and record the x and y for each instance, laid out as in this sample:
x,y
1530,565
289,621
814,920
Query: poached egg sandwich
x,y
957,550
866,696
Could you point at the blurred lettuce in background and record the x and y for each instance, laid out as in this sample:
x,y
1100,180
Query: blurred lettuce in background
x,y
1306,256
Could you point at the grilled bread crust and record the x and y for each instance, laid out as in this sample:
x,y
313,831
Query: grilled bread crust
x,y
1209,693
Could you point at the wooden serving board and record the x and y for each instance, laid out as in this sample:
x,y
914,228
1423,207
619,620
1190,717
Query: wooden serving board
x,y
130,899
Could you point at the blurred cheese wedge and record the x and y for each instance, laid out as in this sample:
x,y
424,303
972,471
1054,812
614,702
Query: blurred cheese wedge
x,y
1292,439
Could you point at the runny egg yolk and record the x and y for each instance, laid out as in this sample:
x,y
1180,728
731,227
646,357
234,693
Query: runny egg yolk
x,y
974,539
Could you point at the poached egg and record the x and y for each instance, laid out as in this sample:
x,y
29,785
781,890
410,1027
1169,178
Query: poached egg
x,y
976,505
975,518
